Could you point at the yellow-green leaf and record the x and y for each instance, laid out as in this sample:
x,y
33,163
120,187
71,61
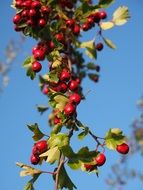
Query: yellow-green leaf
x,y
28,170
121,15
61,102
106,25
109,43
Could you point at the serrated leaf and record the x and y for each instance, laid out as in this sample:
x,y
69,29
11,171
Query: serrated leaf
x,y
28,170
113,138
59,140
65,181
90,48
37,133
109,43
85,155
61,102
74,164
83,134
52,155
121,15
42,109
105,3
106,25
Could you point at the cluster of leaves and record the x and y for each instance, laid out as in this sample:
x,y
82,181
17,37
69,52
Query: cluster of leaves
x,y
65,54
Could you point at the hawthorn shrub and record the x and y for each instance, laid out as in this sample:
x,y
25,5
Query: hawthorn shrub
x,y
58,27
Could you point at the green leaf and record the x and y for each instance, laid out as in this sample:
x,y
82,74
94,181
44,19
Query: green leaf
x,y
109,43
52,154
91,66
42,109
59,140
113,138
106,25
65,181
90,48
85,155
29,186
83,134
28,66
37,133
105,3
74,164
61,101
121,15
93,77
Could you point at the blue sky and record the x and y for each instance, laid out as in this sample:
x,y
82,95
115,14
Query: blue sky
x,y
111,103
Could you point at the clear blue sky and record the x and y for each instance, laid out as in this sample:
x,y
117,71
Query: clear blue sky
x,y
111,102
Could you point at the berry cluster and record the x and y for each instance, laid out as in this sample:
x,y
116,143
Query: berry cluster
x,y
38,148
32,14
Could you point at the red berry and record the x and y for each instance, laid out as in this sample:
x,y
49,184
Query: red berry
x,y
73,85
25,13
85,27
34,159
100,159
75,98
70,23
123,148
45,90
60,37
39,55
41,146
65,75
42,22
35,151
99,46
63,87
36,66
27,4
34,49
35,5
45,10
16,19
90,20
18,4
103,14
32,13
57,120
69,109
51,45
96,17
89,167
30,22
76,29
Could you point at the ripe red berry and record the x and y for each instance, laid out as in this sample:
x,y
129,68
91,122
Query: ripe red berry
x,y
63,87
27,4
90,20
96,17
103,14
45,9
70,23
75,98
89,167
69,109
35,5
85,27
45,90
30,22
39,55
18,4
76,29
51,45
34,159
42,22
16,19
57,120
99,46
36,66
65,75
60,37
100,159
41,146
32,13
25,13
73,85
123,148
